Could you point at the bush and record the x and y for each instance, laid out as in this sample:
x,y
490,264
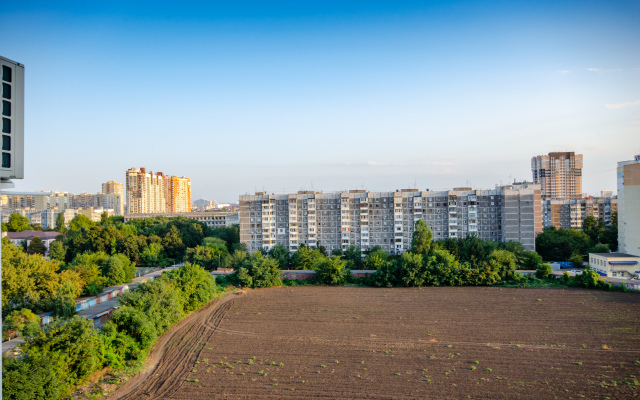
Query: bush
x,y
543,270
24,321
257,272
197,285
330,271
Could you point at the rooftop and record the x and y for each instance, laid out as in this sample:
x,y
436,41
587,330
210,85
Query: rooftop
x,y
31,233
610,255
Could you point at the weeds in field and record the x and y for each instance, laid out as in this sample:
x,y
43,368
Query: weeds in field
x,y
317,372
273,363
449,346
261,372
251,362
358,376
337,361
323,366
192,380
472,368
362,362
578,363
397,373
488,369
238,362
432,357
193,371
605,347
476,362
281,364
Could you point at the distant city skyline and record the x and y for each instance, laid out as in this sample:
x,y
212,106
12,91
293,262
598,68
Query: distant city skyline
x,y
280,97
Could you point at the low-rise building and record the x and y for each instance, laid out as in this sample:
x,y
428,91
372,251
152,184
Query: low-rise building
x,y
213,219
615,265
18,238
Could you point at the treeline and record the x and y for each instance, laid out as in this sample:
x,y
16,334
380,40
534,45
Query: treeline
x,y
66,352
451,262
90,256
571,244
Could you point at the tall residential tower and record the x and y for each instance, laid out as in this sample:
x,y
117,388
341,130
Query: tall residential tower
x,y
157,193
559,175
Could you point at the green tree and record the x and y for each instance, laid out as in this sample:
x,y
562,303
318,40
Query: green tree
x,y
28,281
281,255
421,239
17,223
36,246
76,341
411,270
80,222
63,303
543,270
258,272
197,286
236,259
23,321
593,228
60,223
353,257
57,250
305,257
559,244
506,263
152,256
173,246
330,271
34,377
134,323
161,302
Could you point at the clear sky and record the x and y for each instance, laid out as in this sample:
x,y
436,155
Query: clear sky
x,y
329,95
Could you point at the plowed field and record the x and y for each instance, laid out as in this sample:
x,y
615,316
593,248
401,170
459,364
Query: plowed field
x,y
347,342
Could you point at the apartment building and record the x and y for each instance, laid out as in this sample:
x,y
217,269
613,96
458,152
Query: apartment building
x,y
62,201
387,219
179,195
213,219
46,218
570,214
114,188
629,206
559,175
156,193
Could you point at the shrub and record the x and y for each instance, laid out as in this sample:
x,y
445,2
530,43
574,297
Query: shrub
x,y
330,271
543,270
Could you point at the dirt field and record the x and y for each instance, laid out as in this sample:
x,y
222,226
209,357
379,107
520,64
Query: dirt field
x,y
344,342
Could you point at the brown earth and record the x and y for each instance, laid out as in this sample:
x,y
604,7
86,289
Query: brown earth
x,y
351,342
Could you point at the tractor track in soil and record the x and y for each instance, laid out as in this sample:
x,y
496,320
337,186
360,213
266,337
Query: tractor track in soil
x,y
174,353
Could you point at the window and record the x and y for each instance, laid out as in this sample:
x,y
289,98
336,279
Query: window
x,y
6,73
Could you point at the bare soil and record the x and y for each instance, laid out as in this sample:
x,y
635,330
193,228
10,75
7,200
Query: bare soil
x,y
351,342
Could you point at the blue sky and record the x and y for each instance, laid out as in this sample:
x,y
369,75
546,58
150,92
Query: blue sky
x,y
283,96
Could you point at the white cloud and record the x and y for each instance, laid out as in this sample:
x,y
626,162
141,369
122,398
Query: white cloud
x,y
600,70
620,105
564,71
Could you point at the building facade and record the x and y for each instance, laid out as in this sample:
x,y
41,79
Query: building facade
x,y
213,219
570,214
156,193
559,175
387,219
629,206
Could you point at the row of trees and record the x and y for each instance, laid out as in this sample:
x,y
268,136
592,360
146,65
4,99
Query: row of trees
x,y
65,353
451,262
571,244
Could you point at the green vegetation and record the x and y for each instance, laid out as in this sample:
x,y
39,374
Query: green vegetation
x,y
67,351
